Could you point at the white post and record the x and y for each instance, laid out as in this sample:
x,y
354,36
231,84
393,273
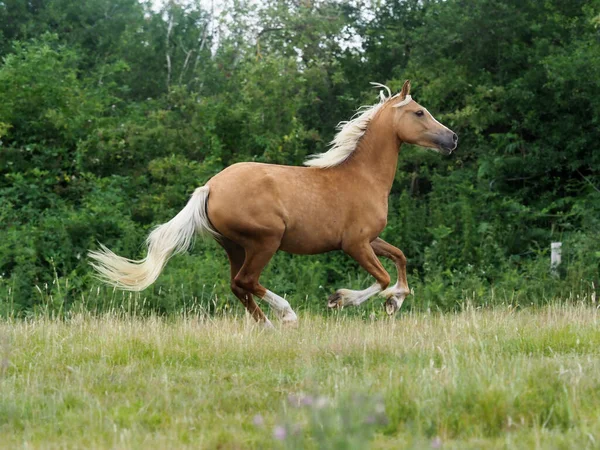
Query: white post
x,y
555,257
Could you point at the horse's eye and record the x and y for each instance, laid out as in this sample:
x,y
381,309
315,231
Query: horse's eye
x,y
419,113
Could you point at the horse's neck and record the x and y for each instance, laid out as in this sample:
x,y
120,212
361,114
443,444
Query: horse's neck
x,y
376,157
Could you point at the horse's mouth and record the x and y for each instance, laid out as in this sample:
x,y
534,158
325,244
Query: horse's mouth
x,y
447,143
445,150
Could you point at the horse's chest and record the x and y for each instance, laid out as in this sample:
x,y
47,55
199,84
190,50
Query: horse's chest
x,y
375,214
378,222
367,222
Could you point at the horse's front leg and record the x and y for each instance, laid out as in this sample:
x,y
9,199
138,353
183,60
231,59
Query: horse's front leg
x,y
395,294
364,254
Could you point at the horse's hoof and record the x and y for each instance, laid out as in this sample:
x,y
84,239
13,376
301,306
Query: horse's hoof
x,y
289,323
334,300
289,319
391,306
267,325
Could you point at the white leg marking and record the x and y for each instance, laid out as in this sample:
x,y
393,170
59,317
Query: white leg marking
x,y
355,298
395,296
281,306
395,291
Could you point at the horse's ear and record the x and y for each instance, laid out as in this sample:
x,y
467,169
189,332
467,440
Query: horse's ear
x,y
405,89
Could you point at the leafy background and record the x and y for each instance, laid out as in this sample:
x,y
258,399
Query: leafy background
x,y
113,111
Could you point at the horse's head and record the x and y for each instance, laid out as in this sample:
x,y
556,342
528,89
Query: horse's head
x,y
415,125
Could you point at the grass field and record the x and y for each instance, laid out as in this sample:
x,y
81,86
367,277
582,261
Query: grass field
x,y
477,379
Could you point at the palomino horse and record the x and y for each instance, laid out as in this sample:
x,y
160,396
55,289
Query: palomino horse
x,y
339,202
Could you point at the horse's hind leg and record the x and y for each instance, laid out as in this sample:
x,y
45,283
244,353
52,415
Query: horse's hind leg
x,y
395,294
258,255
365,256
236,255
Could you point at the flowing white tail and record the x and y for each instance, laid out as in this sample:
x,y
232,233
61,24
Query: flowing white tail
x,y
166,240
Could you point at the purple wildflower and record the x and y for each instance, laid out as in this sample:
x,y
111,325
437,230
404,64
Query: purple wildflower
x,y
306,400
258,420
300,400
279,433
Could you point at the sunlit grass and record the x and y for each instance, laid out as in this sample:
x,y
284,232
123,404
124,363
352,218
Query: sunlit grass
x,y
477,379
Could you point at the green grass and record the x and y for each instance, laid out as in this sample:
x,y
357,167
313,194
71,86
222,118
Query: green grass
x,y
477,379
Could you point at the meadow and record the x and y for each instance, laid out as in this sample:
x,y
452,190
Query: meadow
x,y
502,377
113,112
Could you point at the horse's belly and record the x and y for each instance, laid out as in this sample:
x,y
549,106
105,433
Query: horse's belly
x,y
308,242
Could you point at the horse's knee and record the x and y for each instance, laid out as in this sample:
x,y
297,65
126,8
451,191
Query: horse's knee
x,y
246,284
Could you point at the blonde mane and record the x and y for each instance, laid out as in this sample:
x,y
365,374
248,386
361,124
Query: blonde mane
x,y
350,132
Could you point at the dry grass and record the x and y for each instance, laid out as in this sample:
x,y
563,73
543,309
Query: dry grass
x,y
478,379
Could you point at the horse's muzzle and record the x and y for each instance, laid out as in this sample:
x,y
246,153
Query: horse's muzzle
x,y
447,143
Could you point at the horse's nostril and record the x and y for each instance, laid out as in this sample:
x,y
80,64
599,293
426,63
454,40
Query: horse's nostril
x,y
454,138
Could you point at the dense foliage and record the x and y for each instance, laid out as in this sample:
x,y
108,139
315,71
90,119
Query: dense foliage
x,y
112,112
